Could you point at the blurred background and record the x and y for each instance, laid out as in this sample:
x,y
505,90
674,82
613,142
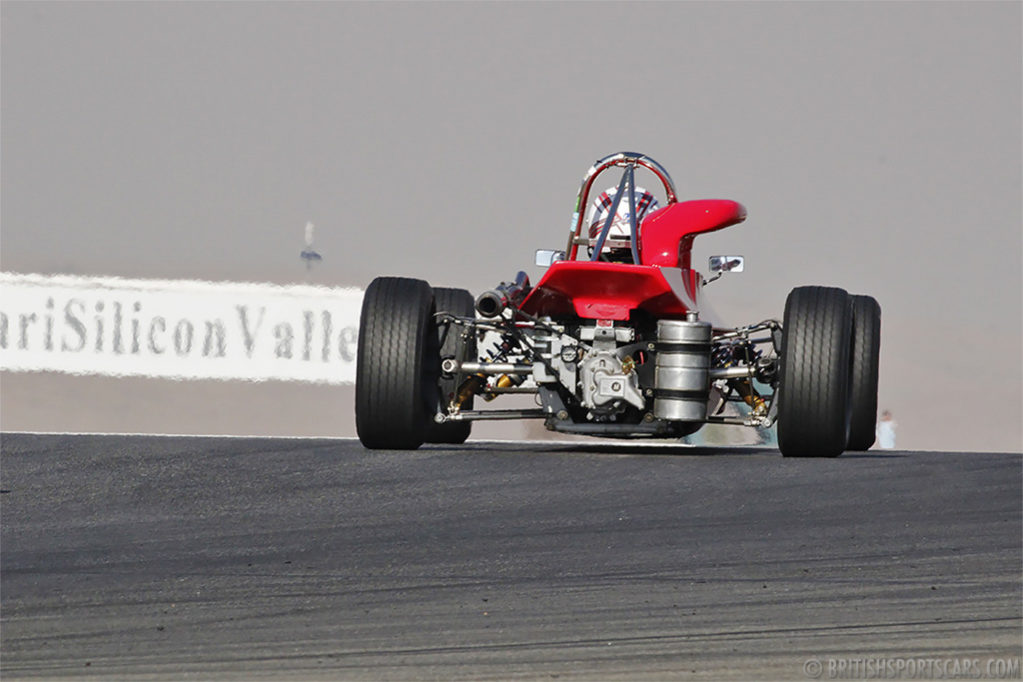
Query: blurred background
x,y
876,147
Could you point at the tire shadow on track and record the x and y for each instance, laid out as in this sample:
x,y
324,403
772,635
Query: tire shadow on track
x,y
646,449
643,449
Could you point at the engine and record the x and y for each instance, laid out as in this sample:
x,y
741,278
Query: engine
x,y
644,376
606,384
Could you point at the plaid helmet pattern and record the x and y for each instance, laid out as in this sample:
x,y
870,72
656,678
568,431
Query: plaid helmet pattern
x,y
645,203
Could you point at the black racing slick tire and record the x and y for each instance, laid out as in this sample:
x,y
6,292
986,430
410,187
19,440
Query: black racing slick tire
x,y
813,408
396,372
450,341
866,351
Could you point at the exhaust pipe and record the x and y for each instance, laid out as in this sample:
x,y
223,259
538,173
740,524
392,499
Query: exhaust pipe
x,y
506,294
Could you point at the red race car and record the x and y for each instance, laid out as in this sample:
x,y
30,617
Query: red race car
x,y
616,340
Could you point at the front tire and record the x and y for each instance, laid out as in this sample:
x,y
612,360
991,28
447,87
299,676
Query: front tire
x,y
866,351
813,408
458,302
394,377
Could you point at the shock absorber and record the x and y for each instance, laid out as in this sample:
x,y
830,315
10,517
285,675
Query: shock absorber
x,y
740,353
477,383
505,381
749,395
470,387
500,352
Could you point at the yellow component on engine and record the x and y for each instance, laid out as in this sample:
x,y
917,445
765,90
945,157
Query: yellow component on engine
x,y
756,402
469,388
749,395
504,381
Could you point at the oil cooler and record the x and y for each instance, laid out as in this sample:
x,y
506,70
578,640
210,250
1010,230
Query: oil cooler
x,y
681,370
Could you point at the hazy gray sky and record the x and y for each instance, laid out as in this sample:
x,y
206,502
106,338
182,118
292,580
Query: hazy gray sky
x,y
876,146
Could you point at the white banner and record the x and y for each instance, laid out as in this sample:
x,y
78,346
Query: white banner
x,y
178,329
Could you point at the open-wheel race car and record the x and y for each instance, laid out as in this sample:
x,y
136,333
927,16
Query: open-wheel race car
x,y
615,341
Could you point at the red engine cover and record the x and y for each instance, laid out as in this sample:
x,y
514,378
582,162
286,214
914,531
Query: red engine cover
x,y
608,291
663,285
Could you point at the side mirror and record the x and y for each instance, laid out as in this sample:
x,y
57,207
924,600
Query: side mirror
x,y
726,263
545,257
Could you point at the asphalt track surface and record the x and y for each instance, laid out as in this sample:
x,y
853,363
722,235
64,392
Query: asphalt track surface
x,y
213,558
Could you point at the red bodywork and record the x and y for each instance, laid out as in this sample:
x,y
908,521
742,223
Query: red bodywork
x,y
664,284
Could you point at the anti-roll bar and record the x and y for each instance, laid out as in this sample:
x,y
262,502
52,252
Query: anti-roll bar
x,y
628,159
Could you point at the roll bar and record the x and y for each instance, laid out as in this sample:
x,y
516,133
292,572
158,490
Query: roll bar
x,y
630,160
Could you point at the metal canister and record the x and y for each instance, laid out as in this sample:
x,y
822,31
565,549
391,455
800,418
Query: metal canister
x,y
681,378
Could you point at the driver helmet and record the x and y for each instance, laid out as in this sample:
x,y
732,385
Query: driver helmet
x,y
645,203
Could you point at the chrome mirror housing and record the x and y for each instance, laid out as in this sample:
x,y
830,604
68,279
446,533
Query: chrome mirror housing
x,y
726,263
545,257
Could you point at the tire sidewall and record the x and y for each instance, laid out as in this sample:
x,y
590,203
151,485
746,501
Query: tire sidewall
x,y
814,410
392,405
865,360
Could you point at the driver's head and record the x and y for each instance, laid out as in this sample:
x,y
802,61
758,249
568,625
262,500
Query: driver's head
x,y
645,203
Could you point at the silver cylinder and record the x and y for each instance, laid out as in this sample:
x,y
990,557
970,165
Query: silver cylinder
x,y
490,368
681,370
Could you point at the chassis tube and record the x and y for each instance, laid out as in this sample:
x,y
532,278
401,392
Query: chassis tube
x,y
452,366
478,415
731,373
619,159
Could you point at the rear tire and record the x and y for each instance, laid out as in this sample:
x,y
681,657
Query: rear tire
x,y
866,351
395,377
813,408
457,302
